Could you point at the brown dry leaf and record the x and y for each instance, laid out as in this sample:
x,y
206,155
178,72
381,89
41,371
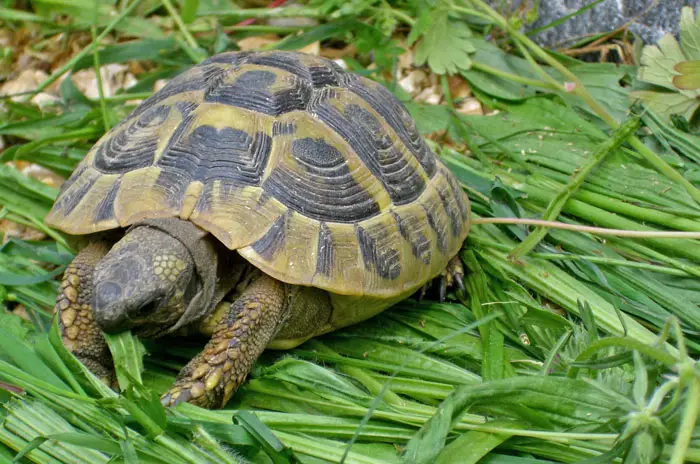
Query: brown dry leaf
x,y
470,106
10,229
256,42
459,88
405,61
312,49
414,81
160,83
338,53
431,95
43,175
21,312
27,81
114,77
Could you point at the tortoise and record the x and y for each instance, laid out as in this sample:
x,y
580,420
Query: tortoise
x,y
261,198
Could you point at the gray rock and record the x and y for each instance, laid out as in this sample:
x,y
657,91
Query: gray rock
x,y
650,19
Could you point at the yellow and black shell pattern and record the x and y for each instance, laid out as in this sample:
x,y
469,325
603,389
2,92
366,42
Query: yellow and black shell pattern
x,y
315,175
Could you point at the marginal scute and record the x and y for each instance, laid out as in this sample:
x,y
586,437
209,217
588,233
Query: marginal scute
x,y
459,197
73,192
236,215
411,226
139,197
344,271
325,252
89,198
377,252
437,219
451,207
274,239
105,208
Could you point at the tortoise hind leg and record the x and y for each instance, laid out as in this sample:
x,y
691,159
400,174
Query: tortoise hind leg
x,y
210,378
452,277
79,332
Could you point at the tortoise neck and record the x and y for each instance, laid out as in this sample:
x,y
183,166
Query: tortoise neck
x,y
216,268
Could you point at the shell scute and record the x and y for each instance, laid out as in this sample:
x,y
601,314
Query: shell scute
x,y
261,90
375,144
397,117
312,69
314,178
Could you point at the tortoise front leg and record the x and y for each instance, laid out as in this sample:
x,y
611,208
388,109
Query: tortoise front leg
x,y
79,332
210,378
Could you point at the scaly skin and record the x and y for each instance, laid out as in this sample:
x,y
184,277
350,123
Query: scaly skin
x,y
240,337
79,332
452,276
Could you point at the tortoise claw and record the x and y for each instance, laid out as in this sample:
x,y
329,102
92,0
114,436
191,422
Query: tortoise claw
x,y
460,283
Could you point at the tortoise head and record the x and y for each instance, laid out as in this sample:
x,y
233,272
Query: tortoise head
x,y
145,282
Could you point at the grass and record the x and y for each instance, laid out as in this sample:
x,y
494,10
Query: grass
x,y
566,347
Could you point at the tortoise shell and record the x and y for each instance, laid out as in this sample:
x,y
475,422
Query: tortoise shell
x,y
315,175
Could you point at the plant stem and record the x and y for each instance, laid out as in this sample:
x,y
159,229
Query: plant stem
x,y
264,13
401,15
183,28
512,77
98,77
128,96
263,28
687,425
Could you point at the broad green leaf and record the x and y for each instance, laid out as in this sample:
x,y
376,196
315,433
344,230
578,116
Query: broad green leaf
x,y
135,50
689,78
489,58
445,44
690,33
659,67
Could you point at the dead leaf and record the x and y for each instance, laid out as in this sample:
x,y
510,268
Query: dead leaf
x,y
257,42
